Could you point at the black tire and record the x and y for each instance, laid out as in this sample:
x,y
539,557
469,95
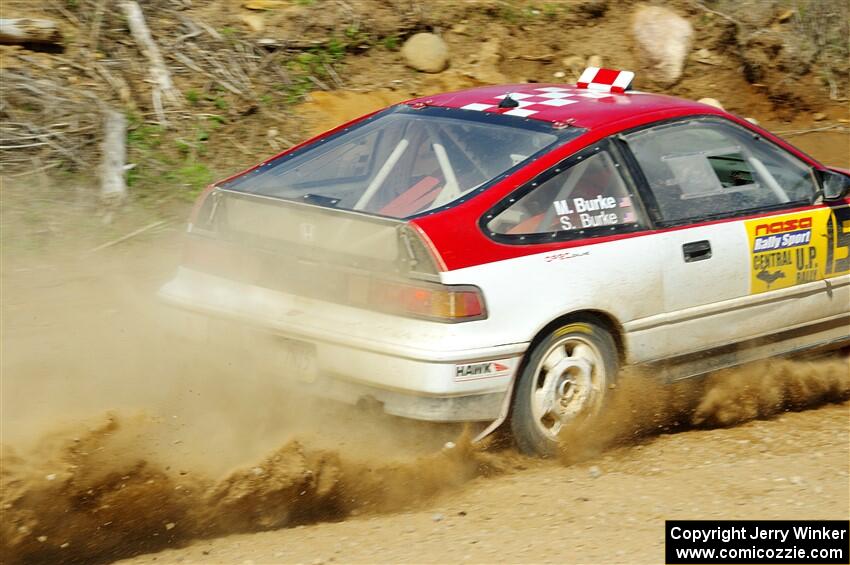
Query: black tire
x,y
578,389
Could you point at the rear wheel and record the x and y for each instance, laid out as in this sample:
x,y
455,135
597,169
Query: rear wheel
x,y
565,380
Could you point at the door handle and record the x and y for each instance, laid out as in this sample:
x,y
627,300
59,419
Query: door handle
x,y
697,251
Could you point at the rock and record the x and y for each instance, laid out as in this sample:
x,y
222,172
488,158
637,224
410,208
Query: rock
x,y
426,52
594,61
776,60
482,67
595,472
663,40
255,22
818,116
754,122
437,517
449,445
711,102
574,64
559,74
704,56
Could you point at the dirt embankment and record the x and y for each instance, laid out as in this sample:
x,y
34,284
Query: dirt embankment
x,y
239,73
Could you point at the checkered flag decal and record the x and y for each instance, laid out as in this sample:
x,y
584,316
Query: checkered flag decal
x,y
529,104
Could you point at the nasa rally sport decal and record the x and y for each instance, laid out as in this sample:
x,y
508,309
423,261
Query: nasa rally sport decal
x,y
798,248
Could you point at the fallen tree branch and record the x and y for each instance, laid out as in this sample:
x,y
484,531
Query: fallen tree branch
x,y
705,8
810,130
163,87
124,238
15,31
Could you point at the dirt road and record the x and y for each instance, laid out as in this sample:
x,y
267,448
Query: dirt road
x,y
610,510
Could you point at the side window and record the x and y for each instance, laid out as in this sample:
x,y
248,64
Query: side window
x,y
709,169
591,193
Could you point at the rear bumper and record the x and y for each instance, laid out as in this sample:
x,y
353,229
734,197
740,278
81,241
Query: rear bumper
x,y
356,355
467,408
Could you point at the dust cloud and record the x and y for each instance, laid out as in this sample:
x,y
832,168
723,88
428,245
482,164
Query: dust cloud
x,y
641,406
129,427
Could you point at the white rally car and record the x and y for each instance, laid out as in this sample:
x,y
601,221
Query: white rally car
x,y
499,253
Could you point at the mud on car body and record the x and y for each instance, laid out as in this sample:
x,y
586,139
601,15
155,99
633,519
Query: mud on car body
x,y
499,253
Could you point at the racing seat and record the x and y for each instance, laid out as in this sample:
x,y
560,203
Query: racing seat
x,y
415,198
528,225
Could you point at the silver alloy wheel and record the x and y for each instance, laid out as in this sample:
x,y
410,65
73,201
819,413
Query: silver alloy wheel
x,y
568,382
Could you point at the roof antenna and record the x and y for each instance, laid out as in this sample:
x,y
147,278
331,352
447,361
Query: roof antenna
x,y
508,102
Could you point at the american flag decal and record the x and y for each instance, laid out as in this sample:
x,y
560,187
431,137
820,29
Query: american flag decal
x,y
605,80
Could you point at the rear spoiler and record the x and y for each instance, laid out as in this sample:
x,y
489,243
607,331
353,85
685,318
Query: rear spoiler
x,y
316,235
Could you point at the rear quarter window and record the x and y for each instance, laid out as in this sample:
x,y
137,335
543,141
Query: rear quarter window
x,y
589,196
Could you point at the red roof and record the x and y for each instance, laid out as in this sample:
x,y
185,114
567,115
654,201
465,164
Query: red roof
x,y
565,103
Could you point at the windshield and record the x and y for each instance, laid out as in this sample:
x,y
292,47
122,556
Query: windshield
x,y
402,162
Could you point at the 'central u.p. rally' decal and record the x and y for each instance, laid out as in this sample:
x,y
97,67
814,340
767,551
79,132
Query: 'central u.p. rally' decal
x,y
798,248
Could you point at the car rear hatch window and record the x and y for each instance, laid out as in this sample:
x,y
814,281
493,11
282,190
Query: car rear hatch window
x,y
403,161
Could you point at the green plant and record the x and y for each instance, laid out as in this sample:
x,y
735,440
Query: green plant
x,y
191,175
509,13
294,92
550,11
355,37
192,96
390,43
142,135
334,50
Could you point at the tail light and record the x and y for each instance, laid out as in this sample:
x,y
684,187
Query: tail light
x,y
441,303
203,209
